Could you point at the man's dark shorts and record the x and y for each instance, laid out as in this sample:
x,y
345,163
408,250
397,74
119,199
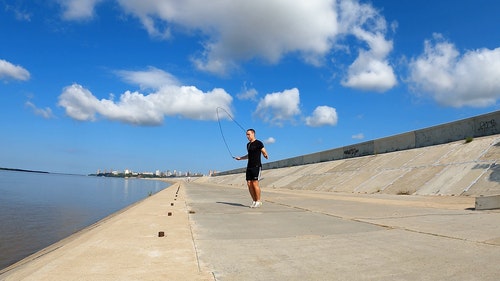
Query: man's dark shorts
x,y
253,173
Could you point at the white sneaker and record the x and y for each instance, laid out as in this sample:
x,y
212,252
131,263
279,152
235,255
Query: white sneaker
x,y
253,204
257,204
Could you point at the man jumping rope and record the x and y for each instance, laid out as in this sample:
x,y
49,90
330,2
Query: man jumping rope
x,y
254,166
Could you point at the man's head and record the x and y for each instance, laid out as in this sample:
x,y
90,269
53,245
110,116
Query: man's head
x,y
251,134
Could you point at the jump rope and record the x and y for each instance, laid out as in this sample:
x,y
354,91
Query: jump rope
x,y
220,127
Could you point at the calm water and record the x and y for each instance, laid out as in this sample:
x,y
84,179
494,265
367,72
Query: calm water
x,y
37,210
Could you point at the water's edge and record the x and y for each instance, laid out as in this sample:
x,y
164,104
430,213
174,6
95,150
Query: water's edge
x,y
75,235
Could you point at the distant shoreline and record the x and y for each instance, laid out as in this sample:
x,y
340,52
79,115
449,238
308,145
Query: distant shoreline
x,y
22,170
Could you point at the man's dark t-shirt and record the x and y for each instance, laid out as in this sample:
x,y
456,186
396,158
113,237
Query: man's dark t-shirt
x,y
254,151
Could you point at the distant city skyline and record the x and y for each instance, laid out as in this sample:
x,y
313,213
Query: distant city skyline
x,y
157,172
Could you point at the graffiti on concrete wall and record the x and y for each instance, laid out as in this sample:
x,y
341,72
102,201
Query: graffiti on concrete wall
x,y
351,152
487,125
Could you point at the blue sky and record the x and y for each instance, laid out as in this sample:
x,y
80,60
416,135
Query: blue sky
x,y
135,84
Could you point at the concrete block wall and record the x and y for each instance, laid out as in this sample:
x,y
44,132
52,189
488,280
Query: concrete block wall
x,y
457,168
478,126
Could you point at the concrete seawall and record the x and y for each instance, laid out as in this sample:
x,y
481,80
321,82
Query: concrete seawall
x,y
335,220
330,220
124,246
211,234
469,128
454,168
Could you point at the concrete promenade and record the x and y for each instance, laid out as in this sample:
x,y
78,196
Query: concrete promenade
x,y
310,235
124,246
406,215
296,235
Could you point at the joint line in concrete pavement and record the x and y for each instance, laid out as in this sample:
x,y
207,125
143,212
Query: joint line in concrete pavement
x,y
363,220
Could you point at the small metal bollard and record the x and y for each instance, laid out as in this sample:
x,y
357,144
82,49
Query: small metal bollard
x,y
161,234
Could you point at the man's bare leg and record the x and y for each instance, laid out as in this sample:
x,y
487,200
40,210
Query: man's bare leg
x,y
256,189
251,189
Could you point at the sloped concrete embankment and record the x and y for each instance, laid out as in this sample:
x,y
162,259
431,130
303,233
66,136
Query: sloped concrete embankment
x,y
455,169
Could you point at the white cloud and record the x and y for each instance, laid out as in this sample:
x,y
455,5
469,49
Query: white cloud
x,y
151,13
275,108
371,71
78,9
359,136
270,140
454,79
238,31
242,30
44,112
18,12
153,78
10,71
370,74
322,116
138,109
248,94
